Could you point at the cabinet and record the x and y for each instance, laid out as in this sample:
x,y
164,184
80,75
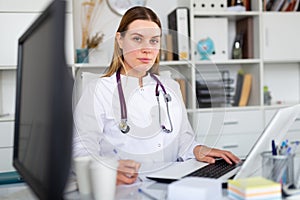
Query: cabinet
x,y
293,133
17,15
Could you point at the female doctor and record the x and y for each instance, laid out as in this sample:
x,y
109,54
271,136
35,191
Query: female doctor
x,y
134,114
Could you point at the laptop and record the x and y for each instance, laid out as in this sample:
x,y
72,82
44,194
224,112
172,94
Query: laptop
x,y
250,166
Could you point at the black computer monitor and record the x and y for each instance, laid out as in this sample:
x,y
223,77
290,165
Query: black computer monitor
x,y
43,119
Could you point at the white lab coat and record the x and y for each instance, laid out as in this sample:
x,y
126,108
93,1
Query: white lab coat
x,y
97,117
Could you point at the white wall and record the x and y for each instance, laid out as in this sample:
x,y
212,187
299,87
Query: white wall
x,y
107,23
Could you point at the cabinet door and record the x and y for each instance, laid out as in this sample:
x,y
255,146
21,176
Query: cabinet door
x,y
6,158
228,123
281,36
16,24
6,134
240,145
28,5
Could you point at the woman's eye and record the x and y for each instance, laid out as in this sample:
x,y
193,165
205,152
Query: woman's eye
x,y
154,41
137,39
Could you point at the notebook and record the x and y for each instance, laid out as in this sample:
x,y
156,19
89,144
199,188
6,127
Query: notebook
x,y
251,165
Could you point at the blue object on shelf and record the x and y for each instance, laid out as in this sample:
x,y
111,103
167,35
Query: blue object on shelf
x,y
10,177
82,55
206,48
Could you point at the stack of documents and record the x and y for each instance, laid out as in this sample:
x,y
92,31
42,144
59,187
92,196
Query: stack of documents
x,y
254,188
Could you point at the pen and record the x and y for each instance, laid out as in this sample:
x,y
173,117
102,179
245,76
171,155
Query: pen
x,y
146,194
274,151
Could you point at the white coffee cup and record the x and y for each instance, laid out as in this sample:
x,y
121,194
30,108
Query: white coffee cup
x,y
81,165
103,172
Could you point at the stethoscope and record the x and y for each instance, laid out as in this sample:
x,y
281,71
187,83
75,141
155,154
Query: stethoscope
x,y
123,126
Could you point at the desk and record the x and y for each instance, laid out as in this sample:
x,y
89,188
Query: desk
x,y
20,191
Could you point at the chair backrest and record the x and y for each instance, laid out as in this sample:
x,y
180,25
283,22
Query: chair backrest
x,y
81,81
85,77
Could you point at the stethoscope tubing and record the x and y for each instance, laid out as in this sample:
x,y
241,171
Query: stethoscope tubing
x,y
123,126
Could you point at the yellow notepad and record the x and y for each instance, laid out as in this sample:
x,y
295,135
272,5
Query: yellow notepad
x,y
254,187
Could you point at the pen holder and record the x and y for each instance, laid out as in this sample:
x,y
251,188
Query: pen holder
x,y
279,168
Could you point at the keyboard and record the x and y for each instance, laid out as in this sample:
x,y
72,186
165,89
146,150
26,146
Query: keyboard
x,y
215,170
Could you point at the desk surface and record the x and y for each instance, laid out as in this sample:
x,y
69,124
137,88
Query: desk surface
x,y
20,191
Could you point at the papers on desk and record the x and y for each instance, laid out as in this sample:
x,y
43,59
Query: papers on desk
x,y
195,188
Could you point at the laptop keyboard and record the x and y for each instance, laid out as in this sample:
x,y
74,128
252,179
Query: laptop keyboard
x,y
215,170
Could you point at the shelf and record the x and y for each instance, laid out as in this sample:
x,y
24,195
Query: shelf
x,y
88,65
229,14
280,61
162,63
225,109
278,106
7,118
231,61
175,62
8,67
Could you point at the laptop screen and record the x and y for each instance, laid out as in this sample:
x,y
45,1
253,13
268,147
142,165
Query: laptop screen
x,y
276,130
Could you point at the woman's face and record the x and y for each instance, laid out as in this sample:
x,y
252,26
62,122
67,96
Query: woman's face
x,y
140,45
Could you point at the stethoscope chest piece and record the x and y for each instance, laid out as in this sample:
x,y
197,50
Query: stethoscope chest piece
x,y
124,128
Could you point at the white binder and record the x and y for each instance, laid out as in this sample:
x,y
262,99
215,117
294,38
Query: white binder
x,y
217,30
210,5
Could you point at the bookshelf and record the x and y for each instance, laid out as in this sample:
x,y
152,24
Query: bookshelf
x,y
275,63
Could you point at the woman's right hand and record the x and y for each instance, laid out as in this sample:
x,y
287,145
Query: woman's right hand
x,y
127,171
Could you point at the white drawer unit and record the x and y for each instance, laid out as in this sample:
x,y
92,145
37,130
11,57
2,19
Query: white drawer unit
x,y
296,125
6,134
240,145
269,114
6,157
230,122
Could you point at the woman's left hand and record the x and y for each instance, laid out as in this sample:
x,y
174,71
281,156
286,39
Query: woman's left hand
x,y
207,154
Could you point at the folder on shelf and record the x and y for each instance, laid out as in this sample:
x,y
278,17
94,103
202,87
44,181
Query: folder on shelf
x,y
247,4
211,28
238,88
277,5
169,47
245,27
178,24
246,88
182,86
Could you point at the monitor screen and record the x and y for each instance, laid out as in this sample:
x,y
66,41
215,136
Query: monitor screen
x,y
43,121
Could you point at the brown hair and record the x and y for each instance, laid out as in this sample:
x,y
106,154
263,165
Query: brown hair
x,y
134,13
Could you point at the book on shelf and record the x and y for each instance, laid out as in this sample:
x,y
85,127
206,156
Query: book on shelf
x,y
247,4
169,47
268,5
246,89
245,28
215,92
178,24
277,5
182,86
238,88
290,6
